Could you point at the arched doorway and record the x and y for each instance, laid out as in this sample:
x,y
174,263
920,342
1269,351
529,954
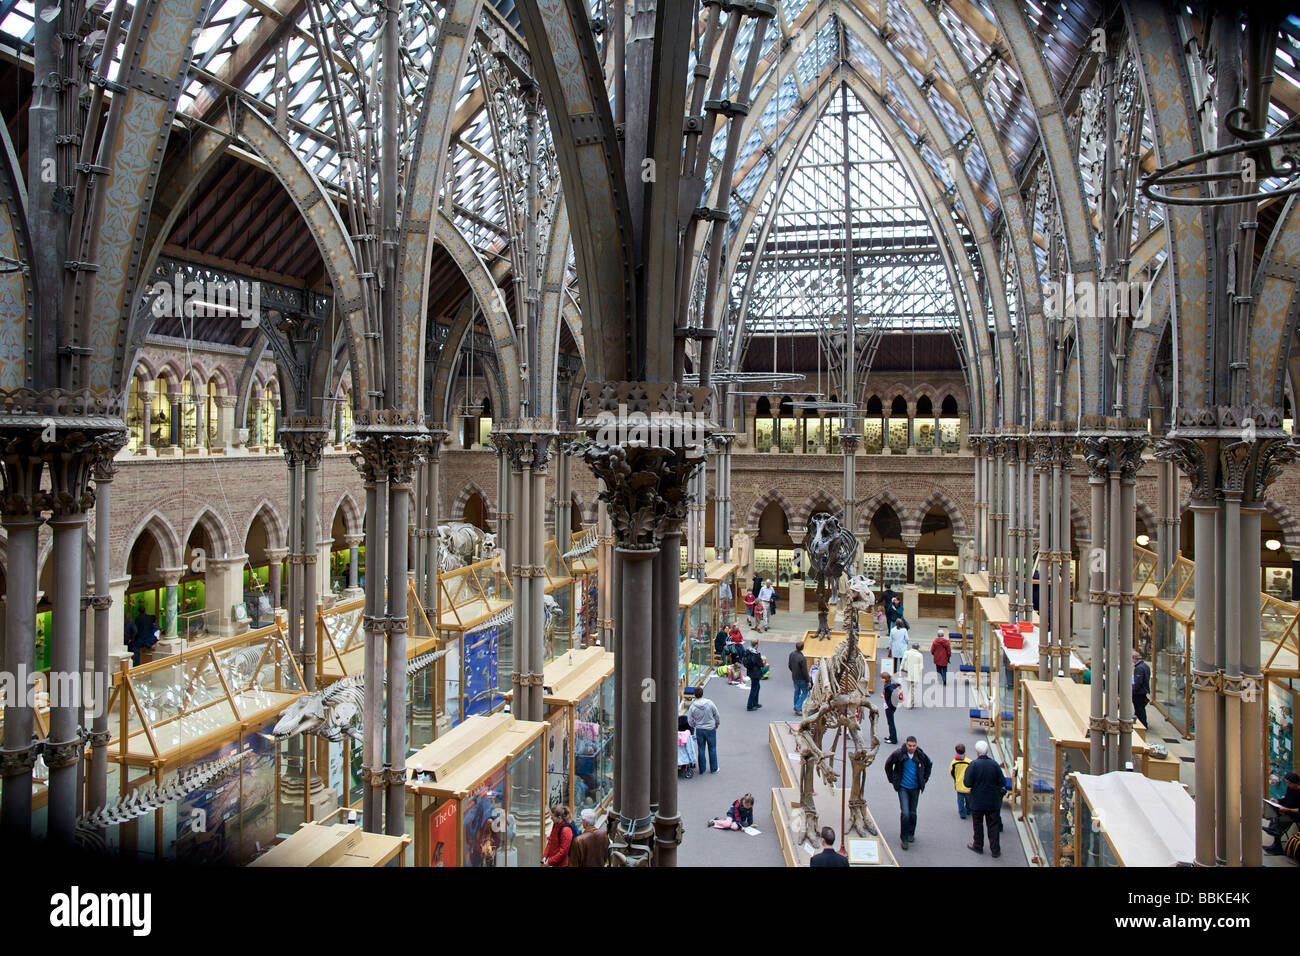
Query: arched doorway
x,y
475,512
936,564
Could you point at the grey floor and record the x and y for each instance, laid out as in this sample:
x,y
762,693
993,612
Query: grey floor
x,y
745,765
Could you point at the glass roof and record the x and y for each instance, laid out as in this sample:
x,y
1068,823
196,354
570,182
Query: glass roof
x,y
900,280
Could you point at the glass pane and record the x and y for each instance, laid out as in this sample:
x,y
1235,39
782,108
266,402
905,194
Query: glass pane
x,y
763,434
924,565
524,840
788,429
873,436
894,569
950,434
898,435
557,758
925,434
484,832
593,746
1169,671
1280,740
812,434
1039,783
947,573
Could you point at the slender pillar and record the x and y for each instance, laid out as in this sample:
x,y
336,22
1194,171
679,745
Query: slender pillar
x,y
354,542
62,751
294,464
147,394
171,595
21,522
97,787
667,822
1047,645
401,466
849,487
1205,679
274,573
1098,468
433,511
376,488
633,829
1253,689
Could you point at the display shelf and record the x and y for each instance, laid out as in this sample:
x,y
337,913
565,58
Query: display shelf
x,y
557,637
477,794
974,585
1126,819
339,845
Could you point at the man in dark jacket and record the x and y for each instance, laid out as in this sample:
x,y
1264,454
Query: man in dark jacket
x,y
987,783
891,704
799,674
908,769
1141,688
828,856
753,663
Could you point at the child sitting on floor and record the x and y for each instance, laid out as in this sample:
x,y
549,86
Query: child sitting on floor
x,y
740,816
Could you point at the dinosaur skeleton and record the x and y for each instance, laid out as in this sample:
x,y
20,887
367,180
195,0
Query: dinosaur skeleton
x,y
90,826
840,692
830,550
336,710
586,544
504,616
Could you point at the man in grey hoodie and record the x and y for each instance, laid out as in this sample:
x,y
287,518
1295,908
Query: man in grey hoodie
x,y
702,717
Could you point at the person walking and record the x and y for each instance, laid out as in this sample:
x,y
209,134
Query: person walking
x,y
753,662
1141,688
891,694
941,651
913,669
957,770
591,846
799,674
897,644
986,783
703,718
767,594
750,601
908,769
828,856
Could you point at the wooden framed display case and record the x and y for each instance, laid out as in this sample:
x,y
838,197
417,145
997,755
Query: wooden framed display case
x,y
974,585
585,568
1168,612
819,648
558,635
1281,657
210,702
1055,746
477,794
990,614
726,600
342,844
1013,666
579,701
695,632
1126,819
341,639
475,625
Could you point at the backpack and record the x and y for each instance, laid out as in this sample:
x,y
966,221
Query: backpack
x,y
574,829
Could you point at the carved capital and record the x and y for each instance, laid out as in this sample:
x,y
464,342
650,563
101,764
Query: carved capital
x,y
72,456
304,439
64,754
17,763
1196,459
389,455
101,602
646,489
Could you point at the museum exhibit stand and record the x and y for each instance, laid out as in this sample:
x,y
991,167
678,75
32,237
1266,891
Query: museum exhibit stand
x,y
578,690
817,649
1015,662
1281,683
476,794
585,569
991,612
474,618
726,600
338,844
1055,745
973,585
696,606
1127,819
209,702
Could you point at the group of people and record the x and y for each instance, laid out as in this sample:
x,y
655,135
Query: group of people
x,y
760,604
979,784
569,845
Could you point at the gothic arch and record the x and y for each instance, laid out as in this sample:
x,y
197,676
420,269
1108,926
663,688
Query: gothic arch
x,y
353,519
872,505
467,491
819,500
1149,519
950,508
276,537
218,533
169,545
1287,521
760,504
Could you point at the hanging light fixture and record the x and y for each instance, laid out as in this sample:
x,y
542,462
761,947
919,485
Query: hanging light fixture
x,y
1273,544
1143,540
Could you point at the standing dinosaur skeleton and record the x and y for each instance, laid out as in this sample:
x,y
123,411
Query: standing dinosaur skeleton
x,y
336,710
840,692
830,551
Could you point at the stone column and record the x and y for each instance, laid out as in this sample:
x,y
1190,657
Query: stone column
x,y
304,438
562,528
97,779
147,395
274,573
354,542
177,422
168,619
433,513
722,497
224,583
225,420
849,486
20,507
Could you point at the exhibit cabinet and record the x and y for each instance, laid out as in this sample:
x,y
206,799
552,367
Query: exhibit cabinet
x,y
340,844
475,617
990,614
1055,746
1014,666
1126,819
579,702
1281,656
585,568
476,794
178,713
973,585
558,633
696,628
723,574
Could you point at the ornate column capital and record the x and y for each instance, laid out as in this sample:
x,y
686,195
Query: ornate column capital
x,y
389,445
849,442
172,576
527,442
276,554
910,541
304,439
353,540
226,401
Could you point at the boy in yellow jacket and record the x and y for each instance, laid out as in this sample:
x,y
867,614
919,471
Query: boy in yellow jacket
x,y
957,770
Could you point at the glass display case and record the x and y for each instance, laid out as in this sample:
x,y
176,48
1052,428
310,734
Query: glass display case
x,y
558,631
763,431
210,702
925,430
585,568
1055,746
950,435
477,794
1277,582
1014,666
474,621
579,690
1281,656
873,435
1126,819
898,432
727,599
788,430
973,585
695,631
924,580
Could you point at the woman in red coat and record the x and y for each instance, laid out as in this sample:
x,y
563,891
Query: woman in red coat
x,y
561,838
941,651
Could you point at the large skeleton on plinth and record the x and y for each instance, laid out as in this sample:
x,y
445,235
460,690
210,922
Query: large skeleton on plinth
x,y
841,693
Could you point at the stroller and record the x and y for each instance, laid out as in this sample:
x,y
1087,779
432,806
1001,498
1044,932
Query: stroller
x,y
688,754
